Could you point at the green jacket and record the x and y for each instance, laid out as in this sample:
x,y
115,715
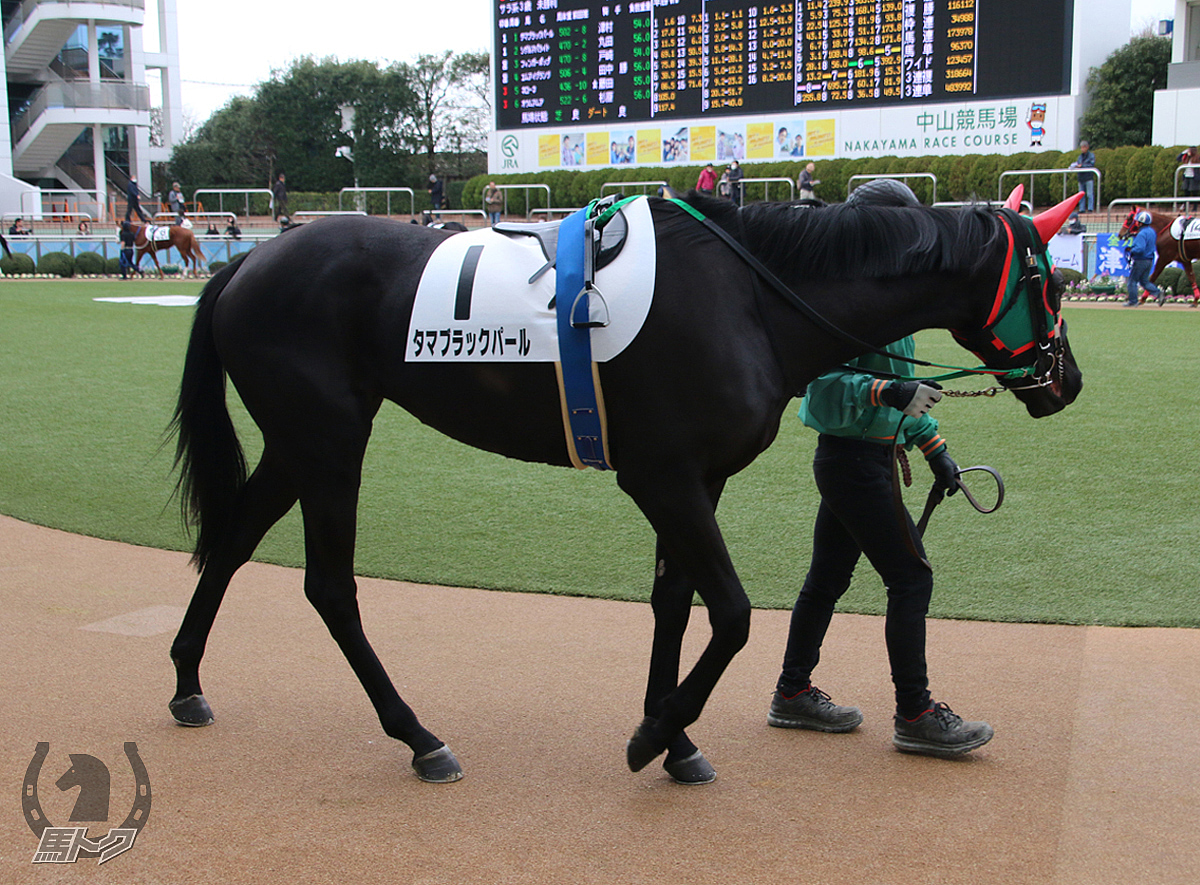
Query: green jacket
x,y
846,403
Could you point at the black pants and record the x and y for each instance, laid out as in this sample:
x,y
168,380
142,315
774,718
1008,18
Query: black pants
x,y
859,514
135,206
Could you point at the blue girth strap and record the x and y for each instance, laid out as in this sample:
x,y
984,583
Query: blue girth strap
x,y
578,379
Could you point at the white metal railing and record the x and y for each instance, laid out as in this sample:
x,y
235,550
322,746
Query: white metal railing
x,y
222,192
505,188
875,176
1142,201
47,219
327,213
766,183
1092,170
412,198
193,216
107,94
620,185
552,211
34,203
1179,171
1026,206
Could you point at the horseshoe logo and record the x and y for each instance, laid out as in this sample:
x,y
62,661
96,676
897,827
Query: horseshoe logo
x,y
32,807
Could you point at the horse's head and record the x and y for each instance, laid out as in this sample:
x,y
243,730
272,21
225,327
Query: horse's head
x,y
1025,332
1129,227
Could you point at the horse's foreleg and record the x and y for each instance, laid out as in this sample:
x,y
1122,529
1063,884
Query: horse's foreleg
x,y
265,499
329,504
682,512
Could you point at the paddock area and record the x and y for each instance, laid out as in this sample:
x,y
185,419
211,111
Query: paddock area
x,y
1091,777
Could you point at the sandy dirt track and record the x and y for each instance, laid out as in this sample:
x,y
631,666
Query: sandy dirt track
x,y
1092,777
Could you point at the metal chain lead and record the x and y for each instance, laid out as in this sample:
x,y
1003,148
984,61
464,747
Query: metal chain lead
x,y
987,391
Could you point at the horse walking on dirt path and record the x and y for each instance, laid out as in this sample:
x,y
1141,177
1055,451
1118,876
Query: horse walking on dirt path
x,y
312,328
1170,248
180,238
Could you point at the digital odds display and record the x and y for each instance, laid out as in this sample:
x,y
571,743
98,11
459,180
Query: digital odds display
x,y
580,62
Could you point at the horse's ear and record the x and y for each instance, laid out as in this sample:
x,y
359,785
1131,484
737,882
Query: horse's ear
x,y
1050,221
1014,199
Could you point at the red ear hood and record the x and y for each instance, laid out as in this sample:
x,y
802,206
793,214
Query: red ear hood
x,y
1014,199
1050,221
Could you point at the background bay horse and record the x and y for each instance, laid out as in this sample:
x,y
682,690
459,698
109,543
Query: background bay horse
x,y
180,238
311,327
1169,248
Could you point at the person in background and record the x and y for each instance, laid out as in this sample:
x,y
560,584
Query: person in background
x,y
175,202
807,183
84,229
437,193
1087,186
707,182
493,201
1190,178
863,419
133,202
233,231
279,197
1142,251
18,229
735,182
127,236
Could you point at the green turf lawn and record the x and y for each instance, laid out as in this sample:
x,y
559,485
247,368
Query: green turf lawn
x,y
1099,523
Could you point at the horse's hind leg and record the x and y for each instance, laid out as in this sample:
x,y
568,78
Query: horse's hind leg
x,y
267,496
329,503
321,429
671,601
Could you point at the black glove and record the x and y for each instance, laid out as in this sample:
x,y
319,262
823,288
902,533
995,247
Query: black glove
x,y
913,398
945,472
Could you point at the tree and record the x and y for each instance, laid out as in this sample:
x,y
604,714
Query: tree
x,y
1122,108
404,116
303,107
231,149
451,110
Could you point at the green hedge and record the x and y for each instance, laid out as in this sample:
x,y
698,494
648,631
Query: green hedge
x,y
57,263
19,263
1127,172
89,263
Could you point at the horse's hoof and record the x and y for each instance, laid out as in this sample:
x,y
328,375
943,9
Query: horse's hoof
x,y
644,747
693,770
438,767
192,711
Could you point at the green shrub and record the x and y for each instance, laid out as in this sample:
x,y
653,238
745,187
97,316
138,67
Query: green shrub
x,y
57,263
89,263
170,270
1171,277
1071,275
216,266
112,267
19,263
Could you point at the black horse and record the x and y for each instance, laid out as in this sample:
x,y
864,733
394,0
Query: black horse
x,y
311,329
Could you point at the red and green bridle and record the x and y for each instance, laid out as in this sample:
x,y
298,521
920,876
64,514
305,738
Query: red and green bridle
x,y
1026,314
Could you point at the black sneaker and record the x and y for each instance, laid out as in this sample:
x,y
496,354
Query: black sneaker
x,y
939,731
812,709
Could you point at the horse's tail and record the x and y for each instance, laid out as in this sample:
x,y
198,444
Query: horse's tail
x,y
211,464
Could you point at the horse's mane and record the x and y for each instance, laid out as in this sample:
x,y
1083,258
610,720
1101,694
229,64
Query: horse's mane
x,y
859,241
